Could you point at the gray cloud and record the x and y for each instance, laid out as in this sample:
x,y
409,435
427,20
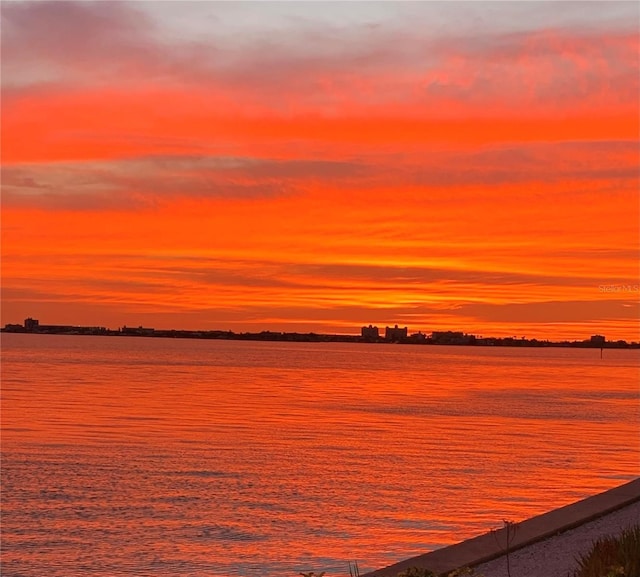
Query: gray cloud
x,y
322,64
133,182
44,42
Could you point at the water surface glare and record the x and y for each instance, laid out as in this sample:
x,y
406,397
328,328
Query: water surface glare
x,y
161,457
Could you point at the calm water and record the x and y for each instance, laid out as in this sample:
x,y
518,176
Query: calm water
x,y
134,456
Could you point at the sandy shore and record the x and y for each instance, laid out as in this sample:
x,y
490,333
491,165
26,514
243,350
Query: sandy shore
x,y
555,556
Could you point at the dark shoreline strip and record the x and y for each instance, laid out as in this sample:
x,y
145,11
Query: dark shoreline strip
x,y
485,548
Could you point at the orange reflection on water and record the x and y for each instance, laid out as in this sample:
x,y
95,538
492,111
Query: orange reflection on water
x,y
225,458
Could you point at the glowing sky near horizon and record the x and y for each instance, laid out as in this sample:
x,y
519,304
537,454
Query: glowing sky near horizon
x,y
318,166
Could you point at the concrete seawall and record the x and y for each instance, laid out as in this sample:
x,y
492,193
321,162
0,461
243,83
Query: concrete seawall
x,y
487,546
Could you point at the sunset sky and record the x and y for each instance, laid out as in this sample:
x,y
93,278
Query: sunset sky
x,y
307,166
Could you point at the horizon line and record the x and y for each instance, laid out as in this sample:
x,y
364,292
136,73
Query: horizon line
x,y
30,324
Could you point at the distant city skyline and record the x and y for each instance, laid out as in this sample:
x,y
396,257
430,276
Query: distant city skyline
x,y
301,166
367,334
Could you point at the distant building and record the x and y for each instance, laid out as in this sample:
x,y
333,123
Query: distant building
x,y
370,333
395,333
452,338
417,338
597,340
137,331
31,325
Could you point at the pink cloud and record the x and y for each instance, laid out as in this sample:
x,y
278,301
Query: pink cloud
x,y
328,70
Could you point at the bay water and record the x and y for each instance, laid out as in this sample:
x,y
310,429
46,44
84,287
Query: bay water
x,y
176,457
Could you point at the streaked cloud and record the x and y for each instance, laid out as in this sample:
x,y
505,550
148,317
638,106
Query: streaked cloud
x,y
130,182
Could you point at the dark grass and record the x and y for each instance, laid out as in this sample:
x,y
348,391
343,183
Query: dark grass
x,y
612,556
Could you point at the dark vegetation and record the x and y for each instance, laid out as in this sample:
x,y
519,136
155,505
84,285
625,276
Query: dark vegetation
x,y
612,556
